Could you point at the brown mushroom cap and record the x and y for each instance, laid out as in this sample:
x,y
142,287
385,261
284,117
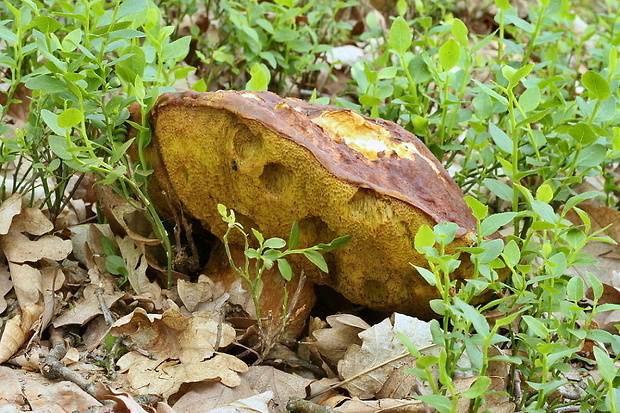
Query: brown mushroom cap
x,y
334,171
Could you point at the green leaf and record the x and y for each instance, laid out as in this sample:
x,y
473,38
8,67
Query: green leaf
x,y
258,235
438,401
477,389
518,74
544,193
401,36
449,54
596,285
222,210
429,276
336,243
115,265
499,188
317,259
582,133
285,269
592,156
176,50
575,289
545,211
512,253
596,85
70,117
425,237
274,243
460,31
200,85
46,24
492,249
51,120
426,361
479,210
503,4
536,326
411,347
128,7
293,237
259,77
494,222
501,139
530,99
46,83
479,322
606,366
58,145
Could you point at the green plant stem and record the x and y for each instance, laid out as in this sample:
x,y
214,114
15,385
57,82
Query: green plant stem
x,y
537,28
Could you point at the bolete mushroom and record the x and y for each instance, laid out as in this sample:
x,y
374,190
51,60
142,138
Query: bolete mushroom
x,y
279,160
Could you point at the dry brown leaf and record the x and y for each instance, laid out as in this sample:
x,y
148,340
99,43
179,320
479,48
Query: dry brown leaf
x,y
283,385
11,207
18,248
32,221
18,330
182,350
87,308
356,405
253,404
136,265
193,293
124,218
211,394
29,291
368,367
80,239
124,402
6,285
30,391
333,342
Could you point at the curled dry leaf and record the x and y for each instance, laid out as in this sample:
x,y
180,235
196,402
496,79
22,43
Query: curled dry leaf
x,y
333,342
191,294
181,349
9,208
136,265
17,330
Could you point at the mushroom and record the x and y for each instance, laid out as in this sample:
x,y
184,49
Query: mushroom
x,y
278,160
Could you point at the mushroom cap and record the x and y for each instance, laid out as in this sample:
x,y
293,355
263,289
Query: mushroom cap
x,y
278,160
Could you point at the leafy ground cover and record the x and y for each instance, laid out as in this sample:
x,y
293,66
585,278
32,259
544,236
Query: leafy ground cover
x,y
519,102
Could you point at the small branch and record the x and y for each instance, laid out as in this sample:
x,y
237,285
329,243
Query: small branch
x,y
54,369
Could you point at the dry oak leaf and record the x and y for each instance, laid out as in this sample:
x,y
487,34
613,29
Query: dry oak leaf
x,y
282,385
253,404
87,308
182,350
18,247
32,392
211,394
368,367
